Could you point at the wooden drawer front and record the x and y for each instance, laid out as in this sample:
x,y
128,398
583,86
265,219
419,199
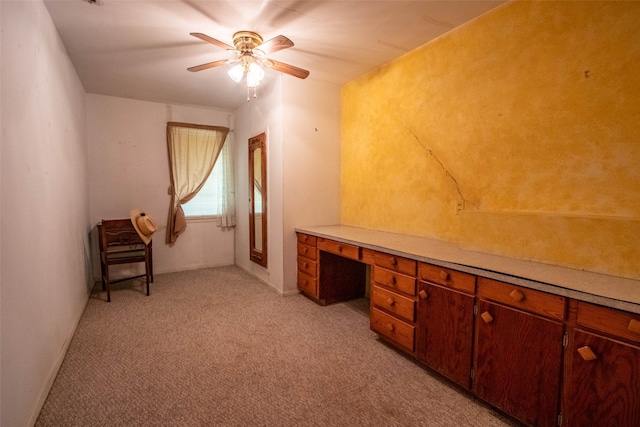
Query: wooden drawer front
x,y
462,282
307,251
394,329
307,266
395,303
395,281
342,249
307,239
308,284
541,303
368,256
395,263
610,321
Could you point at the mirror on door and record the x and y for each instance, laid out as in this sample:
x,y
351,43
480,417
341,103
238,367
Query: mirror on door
x,y
258,199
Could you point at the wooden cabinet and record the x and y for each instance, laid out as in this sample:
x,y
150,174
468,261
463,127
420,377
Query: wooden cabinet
x,y
308,265
444,329
518,353
393,300
603,368
329,271
544,359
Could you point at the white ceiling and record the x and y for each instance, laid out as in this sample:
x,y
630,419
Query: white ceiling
x,y
141,49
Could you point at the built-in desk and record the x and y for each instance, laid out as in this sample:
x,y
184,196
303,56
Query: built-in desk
x,y
548,345
602,289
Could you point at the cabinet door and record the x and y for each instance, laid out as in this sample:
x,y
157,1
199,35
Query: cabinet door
x,y
604,391
518,363
444,337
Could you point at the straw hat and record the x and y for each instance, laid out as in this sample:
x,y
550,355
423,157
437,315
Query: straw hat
x,y
144,225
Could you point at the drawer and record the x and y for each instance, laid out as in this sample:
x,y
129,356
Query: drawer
x,y
395,281
343,249
395,303
533,301
308,284
396,263
307,266
307,239
462,282
392,328
610,321
307,251
368,256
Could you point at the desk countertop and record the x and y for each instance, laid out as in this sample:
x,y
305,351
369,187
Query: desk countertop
x,y
611,291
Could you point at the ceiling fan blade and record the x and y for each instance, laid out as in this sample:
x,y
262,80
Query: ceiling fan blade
x,y
275,44
211,40
289,69
208,65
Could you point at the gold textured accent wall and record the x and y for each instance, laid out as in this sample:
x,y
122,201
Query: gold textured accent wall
x,y
516,134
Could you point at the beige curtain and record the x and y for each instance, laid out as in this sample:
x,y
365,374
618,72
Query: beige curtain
x,y
193,150
226,202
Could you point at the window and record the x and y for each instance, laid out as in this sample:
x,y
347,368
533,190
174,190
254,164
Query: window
x,y
205,202
194,151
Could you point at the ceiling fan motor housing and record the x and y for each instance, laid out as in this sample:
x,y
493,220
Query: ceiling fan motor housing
x,y
246,40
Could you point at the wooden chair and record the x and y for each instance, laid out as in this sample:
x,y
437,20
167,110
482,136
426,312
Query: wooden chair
x,y
120,244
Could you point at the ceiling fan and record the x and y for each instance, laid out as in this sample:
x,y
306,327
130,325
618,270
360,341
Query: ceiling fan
x,y
250,52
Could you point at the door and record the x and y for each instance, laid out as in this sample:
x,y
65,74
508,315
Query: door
x,y
444,338
518,362
603,391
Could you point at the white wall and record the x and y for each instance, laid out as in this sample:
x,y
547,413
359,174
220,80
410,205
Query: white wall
x,y
261,114
45,208
311,163
302,121
129,168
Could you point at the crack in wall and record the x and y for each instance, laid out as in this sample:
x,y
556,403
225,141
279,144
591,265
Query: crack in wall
x,y
465,201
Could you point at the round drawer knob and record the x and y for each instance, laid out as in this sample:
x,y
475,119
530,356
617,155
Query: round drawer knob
x,y
423,294
390,327
390,301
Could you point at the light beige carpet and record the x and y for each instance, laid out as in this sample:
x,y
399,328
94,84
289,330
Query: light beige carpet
x,y
215,347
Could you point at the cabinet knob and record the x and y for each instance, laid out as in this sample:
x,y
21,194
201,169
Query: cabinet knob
x,y
634,326
393,261
587,353
305,251
423,294
516,295
487,317
339,248
305,265
390,301
390,327
444,275
392,280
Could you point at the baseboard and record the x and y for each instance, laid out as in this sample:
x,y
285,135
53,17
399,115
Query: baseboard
x,y
269,285
157,271
46,387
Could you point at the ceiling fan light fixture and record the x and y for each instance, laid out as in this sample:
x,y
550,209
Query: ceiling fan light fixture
x,y
236,73
254,75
